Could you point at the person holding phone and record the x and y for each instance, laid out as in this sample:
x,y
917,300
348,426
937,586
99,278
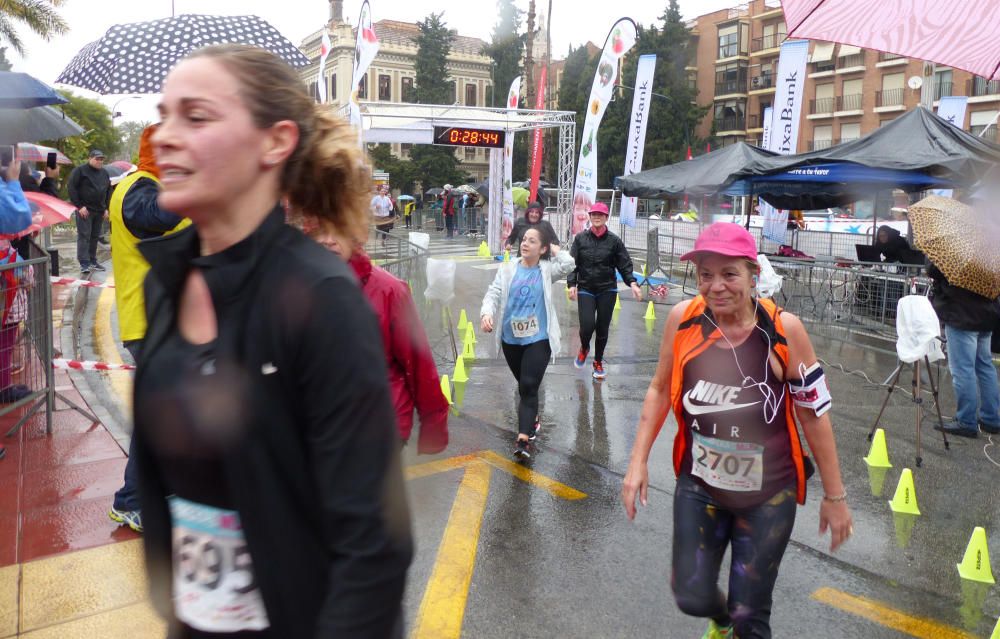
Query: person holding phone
x,y
15,212
90,192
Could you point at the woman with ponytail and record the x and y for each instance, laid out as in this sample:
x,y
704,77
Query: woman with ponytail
x,y
272,493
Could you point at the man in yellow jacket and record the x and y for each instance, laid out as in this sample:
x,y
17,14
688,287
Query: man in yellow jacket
x,y
135,216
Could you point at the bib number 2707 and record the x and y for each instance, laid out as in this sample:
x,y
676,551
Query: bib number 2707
x,y
728,465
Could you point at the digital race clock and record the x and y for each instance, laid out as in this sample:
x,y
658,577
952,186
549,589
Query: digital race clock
x,y
464,136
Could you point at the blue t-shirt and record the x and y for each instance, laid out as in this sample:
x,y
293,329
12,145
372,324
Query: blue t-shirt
x,y
525,320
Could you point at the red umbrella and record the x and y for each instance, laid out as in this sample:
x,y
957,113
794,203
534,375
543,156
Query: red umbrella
x,y
28,152
45,211
954,34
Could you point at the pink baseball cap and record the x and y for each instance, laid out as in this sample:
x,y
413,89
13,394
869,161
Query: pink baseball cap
x,y
724,238
599,207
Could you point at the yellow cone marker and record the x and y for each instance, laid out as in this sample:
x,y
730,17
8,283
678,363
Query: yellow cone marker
x,y
878,455
975,565
905,499
470,334
463,320
446,389
460,375
484,249
996,631
506,256
468,351
618,302
650,312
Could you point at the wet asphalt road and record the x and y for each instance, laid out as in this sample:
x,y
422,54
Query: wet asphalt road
x,y
545,566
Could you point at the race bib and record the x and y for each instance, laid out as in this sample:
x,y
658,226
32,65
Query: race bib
x,y
524,326
736,466
214,585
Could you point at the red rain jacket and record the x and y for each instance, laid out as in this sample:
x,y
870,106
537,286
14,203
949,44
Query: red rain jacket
x,y
413,376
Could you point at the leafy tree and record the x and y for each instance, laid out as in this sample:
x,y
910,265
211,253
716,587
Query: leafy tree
x,y
505,50
402,173
436,165
131,133
5,64
99,132
39,16
578,75
433,46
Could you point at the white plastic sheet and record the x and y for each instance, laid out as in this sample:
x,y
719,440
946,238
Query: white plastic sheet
x,y
768,282
419,240
918,328
440,280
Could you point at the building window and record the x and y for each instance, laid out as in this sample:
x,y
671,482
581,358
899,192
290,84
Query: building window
x,y
892,92
470,153
729,115
824,102
729,41
942,84
980,120
731,78
470,95
363,88
314,91
852,98
404,148
453,89
385,88
822,137
849,132
408,91
332,86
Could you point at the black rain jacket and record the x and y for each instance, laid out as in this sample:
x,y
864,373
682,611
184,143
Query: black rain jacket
x,y
597,258
961,308
315,474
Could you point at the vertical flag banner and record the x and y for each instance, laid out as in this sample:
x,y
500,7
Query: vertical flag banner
x,y
513,96
637,129
365,50
765,141
620,40
324,51
952,109
538,140
785,117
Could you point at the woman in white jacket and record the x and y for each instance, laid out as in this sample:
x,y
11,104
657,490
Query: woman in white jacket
x,y
527,324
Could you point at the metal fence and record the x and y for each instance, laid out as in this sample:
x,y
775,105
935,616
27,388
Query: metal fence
x,y
469,221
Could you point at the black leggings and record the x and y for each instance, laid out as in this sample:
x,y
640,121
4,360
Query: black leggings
x,y
600,306
528,363
758,536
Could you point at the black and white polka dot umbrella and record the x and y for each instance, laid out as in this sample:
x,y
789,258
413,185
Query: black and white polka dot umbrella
x,y
136,57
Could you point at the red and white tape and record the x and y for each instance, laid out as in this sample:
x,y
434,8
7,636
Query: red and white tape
x,y
90,365
69,281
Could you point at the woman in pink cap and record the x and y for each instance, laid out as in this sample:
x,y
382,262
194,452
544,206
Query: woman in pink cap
x,y
738,372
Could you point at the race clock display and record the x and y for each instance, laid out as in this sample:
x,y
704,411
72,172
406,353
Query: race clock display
x,y
464,136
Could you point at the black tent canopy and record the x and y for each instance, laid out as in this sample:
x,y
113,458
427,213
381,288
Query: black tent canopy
x,y
704,175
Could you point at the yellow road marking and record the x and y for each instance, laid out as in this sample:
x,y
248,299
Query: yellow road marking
x,y
557,489
438,466
443,606
920,627
107,349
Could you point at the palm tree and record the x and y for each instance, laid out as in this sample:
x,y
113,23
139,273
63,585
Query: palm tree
x,y
38,15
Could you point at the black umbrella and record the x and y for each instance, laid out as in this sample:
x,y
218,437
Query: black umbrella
x,y
21,91
32,125
434,191
136,57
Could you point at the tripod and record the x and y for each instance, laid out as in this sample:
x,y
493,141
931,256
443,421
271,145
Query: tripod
x,y
917,400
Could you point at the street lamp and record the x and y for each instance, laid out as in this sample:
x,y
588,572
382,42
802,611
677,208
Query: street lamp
x,y
115,113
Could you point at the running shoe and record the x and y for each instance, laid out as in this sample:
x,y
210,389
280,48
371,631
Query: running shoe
x,y
521,450
97,267
85,270
716,631
534,432
130,518
599,370
581,358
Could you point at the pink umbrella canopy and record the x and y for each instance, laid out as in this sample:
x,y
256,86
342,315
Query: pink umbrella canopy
x,y
955,34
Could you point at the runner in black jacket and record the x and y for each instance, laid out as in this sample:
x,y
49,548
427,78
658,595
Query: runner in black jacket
x,y
598,253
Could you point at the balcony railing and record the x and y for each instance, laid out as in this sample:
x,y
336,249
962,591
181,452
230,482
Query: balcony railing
x,y
850,139
765,81
849,102
727,87
820,67
991,133
816,145
942,90
885,57
733,123
821,105
980,87
849,61
890,97
772,41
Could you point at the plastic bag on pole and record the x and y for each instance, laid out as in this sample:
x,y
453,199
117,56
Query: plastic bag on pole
x,y
918,328
440,280
768,282
419,240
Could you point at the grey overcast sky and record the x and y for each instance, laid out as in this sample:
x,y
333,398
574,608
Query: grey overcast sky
x,y
574,22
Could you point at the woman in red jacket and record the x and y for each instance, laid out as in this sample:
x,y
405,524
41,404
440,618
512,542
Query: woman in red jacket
x,y
413,376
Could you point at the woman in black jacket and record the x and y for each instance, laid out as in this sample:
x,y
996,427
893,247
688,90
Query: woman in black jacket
x,y
598,253
271,489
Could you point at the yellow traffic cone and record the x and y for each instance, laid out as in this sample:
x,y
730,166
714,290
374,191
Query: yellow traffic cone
x,y
878,455
905,499
459,375
975,565
650,312
463,320
468,351
996,631
618,302
446,388
904,528
484,249
506,256
470,334
876,479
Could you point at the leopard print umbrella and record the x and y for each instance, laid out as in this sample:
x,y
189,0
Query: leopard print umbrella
x,y
961,241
